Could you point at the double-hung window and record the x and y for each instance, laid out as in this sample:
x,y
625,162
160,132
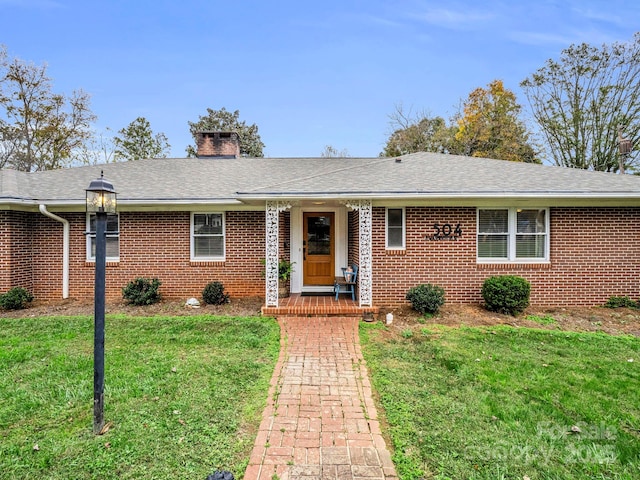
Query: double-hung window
x,y
207,236
395,231
513,235
113,237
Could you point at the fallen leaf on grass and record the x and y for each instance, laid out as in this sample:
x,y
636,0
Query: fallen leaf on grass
x,y
107,445
574,429
106,428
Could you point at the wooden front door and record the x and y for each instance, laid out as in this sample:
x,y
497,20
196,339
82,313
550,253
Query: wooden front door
x,y
318,248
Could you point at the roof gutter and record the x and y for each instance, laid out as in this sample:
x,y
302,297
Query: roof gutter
x,y
65,248
435,195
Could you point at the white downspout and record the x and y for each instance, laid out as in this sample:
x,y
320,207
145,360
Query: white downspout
x,y
65,248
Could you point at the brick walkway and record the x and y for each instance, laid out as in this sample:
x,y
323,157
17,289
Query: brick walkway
x,y
320,422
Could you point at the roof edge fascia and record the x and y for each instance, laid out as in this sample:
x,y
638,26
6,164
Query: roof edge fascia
x,y
124,204
438,195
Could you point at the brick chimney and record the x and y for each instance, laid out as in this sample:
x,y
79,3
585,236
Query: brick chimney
x,y
218,144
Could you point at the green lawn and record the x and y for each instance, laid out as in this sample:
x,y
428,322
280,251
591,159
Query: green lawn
x,y
185,396
501,402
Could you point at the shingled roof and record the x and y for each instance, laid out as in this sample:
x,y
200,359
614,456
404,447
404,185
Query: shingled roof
x,y
420,176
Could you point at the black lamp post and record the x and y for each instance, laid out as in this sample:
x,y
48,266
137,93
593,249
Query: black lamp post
x,y
101,200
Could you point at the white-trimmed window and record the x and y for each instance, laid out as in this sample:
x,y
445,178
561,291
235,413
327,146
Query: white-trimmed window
x,y
207,236
513,235
113,237
395,229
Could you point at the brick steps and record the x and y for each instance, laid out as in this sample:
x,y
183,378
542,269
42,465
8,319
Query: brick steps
x,y
298,305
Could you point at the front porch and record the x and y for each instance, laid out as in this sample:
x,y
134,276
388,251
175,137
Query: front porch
x,y
325,305
320,238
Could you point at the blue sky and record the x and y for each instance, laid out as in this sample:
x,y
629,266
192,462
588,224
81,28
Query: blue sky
x,y
309,74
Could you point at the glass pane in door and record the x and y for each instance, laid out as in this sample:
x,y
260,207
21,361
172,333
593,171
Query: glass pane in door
x,y
318,235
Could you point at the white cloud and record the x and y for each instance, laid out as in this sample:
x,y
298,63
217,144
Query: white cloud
x,y
381,21
604,17
455,19
592,36
542,38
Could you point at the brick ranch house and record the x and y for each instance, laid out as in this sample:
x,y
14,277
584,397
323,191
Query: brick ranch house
x,y
419,218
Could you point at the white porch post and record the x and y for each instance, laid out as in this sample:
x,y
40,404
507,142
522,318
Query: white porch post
x,y
273,209
365,278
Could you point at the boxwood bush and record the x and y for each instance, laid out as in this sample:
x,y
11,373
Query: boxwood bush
x,y
620,302
426,298
142,291
507,294
15,299
213,294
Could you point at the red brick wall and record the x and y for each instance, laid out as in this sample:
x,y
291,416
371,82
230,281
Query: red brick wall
x,y
15,250
284,234
218,144
353,237
595,253
154,245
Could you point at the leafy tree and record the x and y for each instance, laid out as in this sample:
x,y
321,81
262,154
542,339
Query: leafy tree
x,y
332,152
39,129
583,100
490,126
417,133
138,141
223,121
7,149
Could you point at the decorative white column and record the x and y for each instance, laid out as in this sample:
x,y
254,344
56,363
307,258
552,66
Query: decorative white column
x,y
365,277
273,209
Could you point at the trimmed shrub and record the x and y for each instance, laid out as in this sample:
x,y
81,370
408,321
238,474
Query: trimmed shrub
x,y
142,291
15,299
213,294
506,294
620,302
426,298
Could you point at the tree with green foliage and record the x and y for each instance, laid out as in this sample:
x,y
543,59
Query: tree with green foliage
x,y
417,133
490,126
585,100
223,121
39,129
138,141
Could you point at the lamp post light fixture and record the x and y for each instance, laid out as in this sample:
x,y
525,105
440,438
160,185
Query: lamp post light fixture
x,y
101,201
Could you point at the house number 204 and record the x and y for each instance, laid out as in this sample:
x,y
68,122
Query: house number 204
x,y
445,231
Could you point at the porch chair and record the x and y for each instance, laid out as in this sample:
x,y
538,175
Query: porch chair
x,y
347,283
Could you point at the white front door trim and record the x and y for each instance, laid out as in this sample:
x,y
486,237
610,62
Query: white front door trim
x,y
296,249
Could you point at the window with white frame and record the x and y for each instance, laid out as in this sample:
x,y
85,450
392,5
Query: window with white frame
x,y
207,236
113,237
513,234
395,229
